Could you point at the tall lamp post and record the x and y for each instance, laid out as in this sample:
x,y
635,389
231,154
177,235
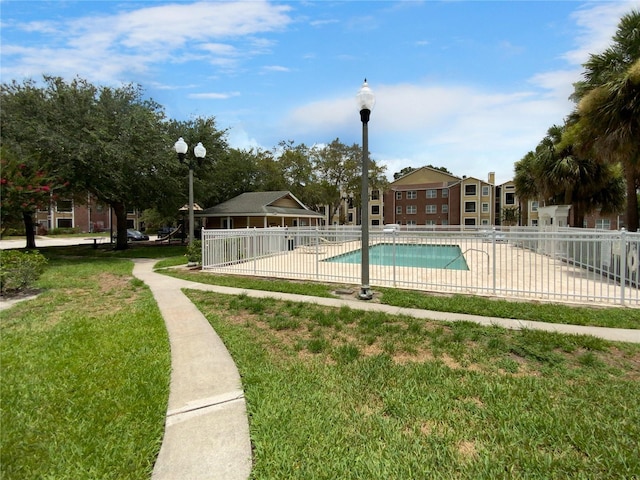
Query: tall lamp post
x,y
366,102
199,151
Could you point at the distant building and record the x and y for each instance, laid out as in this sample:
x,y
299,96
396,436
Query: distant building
x,y
422,197
260,210
85,217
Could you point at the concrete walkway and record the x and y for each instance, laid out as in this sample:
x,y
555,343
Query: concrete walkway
x,y
207,432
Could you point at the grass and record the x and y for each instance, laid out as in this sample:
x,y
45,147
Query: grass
x,y
175,252
615,317
85,375
346,394
331,393
250,283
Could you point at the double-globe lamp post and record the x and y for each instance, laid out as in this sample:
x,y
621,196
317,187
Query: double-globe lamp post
x,y
366,102
199,151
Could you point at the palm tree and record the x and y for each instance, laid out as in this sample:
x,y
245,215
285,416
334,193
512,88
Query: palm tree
x,y
556,174
608,112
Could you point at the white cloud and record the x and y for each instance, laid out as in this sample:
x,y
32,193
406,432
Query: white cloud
x,y
276,68
213,95
107,48
240,139
598,23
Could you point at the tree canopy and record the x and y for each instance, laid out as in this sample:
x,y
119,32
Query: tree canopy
x,y
606,121
590,160
73,137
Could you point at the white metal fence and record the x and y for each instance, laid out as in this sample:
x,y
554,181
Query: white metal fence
x,y
572,265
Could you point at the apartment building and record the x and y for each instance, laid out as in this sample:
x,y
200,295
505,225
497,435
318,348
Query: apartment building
x,y
422,198
86,217
430,197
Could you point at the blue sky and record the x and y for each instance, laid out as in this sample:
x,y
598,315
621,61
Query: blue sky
x,y
468,85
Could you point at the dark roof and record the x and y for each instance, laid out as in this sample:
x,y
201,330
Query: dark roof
x,y
258,204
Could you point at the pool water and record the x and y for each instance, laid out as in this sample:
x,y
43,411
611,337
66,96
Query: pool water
x,y
409,255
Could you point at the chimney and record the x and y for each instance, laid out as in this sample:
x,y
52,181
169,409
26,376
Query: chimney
x,y
492,178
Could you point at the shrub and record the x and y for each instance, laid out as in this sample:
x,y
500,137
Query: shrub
x,y
19,270
194,251
64,231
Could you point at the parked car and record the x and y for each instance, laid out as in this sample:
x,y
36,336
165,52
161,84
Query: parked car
x,y
136,235
488,235
391,228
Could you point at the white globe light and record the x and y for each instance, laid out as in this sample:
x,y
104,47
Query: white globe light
x,y
199,150
365,98
181,146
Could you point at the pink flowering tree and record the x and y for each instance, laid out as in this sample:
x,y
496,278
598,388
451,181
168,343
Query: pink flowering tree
x,y
24,189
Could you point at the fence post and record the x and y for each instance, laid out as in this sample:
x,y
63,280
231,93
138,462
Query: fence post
x,y
493,248
254,240
623,265
394,233
202,249
317,253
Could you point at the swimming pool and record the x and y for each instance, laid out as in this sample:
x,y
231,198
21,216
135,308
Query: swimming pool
x,y
408,255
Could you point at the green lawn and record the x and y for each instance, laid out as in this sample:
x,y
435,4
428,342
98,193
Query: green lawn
x,y
352,395
85,376
331,393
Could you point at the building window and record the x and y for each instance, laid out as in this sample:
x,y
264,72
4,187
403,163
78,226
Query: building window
x,y
485,222
412,195
350,220
603,223
65,223
64,206
398,195
485,207
411,223
444,208
375,209
470,207
485,190
412,209
469,221
375,194
470,190
534,206
445,193
375,222
430,223
99,208
510,199
432,193
398,209
431,209
445,221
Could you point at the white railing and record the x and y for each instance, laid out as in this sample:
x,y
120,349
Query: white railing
x,y
573,265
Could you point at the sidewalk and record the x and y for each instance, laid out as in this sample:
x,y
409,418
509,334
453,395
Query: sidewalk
x,y
206,429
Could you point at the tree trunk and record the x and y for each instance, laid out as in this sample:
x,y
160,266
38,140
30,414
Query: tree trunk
x,y
578,215
30,233
632,199
120,211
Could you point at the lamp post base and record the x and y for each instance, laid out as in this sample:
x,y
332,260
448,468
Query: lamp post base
x,y
365,293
